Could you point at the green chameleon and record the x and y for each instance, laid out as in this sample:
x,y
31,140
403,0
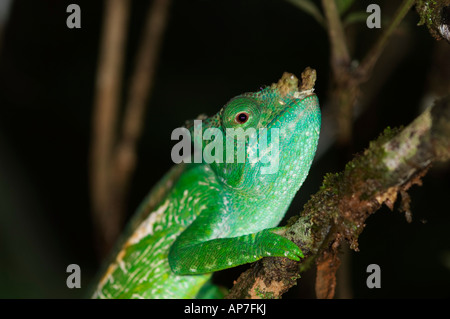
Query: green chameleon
x,y
205,217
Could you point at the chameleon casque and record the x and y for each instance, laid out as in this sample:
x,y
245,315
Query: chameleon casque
x,y
205,217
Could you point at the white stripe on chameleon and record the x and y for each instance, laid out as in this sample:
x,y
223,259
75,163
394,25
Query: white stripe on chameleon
x,y
108,275
146,227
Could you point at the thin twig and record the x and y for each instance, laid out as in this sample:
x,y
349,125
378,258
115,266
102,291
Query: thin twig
x,y
344,94
106,104
366,66
125,157
340,56
346,79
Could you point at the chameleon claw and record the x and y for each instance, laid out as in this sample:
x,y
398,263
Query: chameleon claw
x,y
296,254
293,257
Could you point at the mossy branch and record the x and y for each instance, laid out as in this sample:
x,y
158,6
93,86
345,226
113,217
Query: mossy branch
x,y
338,211
436,16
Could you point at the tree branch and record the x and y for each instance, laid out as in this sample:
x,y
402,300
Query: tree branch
x,y
338,211
340,57
436,16
347,80
125,154
113,156
106,105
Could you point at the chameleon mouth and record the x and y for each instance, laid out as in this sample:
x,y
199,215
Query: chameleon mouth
x,y
297,101
311,101
298,109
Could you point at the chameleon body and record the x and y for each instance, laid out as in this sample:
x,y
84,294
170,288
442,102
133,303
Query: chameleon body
x,y
204,217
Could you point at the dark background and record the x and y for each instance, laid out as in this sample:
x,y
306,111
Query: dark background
x,y
212,51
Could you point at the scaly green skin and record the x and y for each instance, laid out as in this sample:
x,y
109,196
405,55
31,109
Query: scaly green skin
x,y
220,215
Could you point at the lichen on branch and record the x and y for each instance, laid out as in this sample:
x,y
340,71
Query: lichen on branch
x,y
435,14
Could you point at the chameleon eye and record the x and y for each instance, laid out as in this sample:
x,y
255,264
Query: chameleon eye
x,y
242,117
241,112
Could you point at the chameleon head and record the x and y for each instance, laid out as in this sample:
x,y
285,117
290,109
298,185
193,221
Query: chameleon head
x,y
264,139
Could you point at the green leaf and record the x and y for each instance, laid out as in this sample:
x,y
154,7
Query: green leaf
x,y
355,17
343,5
310,8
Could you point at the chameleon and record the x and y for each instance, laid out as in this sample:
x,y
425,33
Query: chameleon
x,y
206,216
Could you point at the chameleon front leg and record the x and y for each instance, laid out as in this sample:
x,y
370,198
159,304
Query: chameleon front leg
x,y
190,256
